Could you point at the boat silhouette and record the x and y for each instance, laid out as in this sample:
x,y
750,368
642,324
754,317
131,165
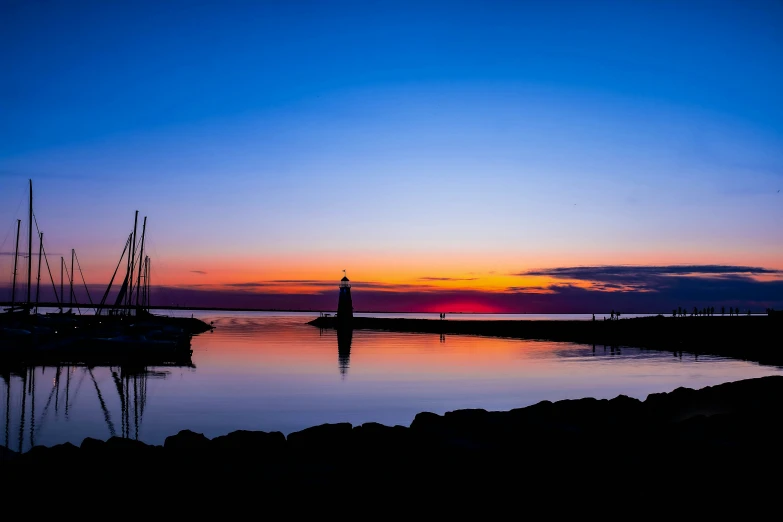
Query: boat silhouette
x,y
119,330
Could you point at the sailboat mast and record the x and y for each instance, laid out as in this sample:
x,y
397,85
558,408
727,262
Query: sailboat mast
x,y
111,282
38,283
132,260
62,278
143,286
16,257
30,247
73,252
141,264
147,281
127,273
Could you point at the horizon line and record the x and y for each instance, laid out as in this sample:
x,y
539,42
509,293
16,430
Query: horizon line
x,y
235,309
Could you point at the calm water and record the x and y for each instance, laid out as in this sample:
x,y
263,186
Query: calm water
x,y
272,372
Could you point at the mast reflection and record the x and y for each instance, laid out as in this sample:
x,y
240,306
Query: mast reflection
x,y
129,382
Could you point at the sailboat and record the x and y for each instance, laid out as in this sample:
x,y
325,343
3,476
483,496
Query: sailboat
x,y
120,331
24,307
126,303
133,300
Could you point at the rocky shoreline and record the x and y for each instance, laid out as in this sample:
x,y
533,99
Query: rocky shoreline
x,y
719,436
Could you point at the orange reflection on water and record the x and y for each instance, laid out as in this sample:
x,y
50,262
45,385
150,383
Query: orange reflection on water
x,y
273,372
288,346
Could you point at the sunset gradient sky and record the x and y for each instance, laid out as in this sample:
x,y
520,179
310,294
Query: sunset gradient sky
x,y
464,156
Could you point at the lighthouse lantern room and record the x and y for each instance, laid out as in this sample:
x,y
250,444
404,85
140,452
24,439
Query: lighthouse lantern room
x,y
344,303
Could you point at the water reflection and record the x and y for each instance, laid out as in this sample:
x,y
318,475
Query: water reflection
x,y
276,373
344,338
22,389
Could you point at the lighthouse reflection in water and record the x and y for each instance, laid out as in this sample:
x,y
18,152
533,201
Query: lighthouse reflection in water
x,y
344,338
272,371
344,324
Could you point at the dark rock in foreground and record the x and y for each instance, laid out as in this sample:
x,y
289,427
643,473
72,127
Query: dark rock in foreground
x,y
720,438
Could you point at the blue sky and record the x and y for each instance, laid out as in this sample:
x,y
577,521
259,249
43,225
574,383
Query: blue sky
x,y
512,135
136,66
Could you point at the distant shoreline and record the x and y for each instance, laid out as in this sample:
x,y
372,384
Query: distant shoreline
x,y
320,310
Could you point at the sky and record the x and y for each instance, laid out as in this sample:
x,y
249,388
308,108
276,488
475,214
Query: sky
x,y
528,156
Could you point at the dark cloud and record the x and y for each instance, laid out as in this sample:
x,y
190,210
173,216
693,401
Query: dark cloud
x,y
393,287
554,299
198,272
644,289
649,278
630,273
316,282
529,290
302,281
448,278
327,285
610,286
627,289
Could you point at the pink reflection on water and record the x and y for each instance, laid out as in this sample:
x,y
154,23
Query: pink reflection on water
x,y
272,372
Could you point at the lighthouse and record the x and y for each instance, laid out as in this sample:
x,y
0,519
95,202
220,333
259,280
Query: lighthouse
x,y
344,303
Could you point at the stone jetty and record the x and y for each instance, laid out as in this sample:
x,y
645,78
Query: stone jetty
x,y
751,338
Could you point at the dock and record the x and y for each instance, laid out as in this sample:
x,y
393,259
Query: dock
x,y
58,339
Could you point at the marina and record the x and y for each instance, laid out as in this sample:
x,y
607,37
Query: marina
x,y
437,255
121,328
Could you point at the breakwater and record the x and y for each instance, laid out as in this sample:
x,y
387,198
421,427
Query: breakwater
x,y
681,441
751,338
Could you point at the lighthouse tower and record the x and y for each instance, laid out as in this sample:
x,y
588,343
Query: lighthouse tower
x,y
344,304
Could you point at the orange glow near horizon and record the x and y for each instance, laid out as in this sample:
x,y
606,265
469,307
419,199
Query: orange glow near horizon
x,y
423,271
447,281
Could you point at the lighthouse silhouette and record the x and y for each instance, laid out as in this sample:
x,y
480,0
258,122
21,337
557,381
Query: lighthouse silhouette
x,y
344,303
